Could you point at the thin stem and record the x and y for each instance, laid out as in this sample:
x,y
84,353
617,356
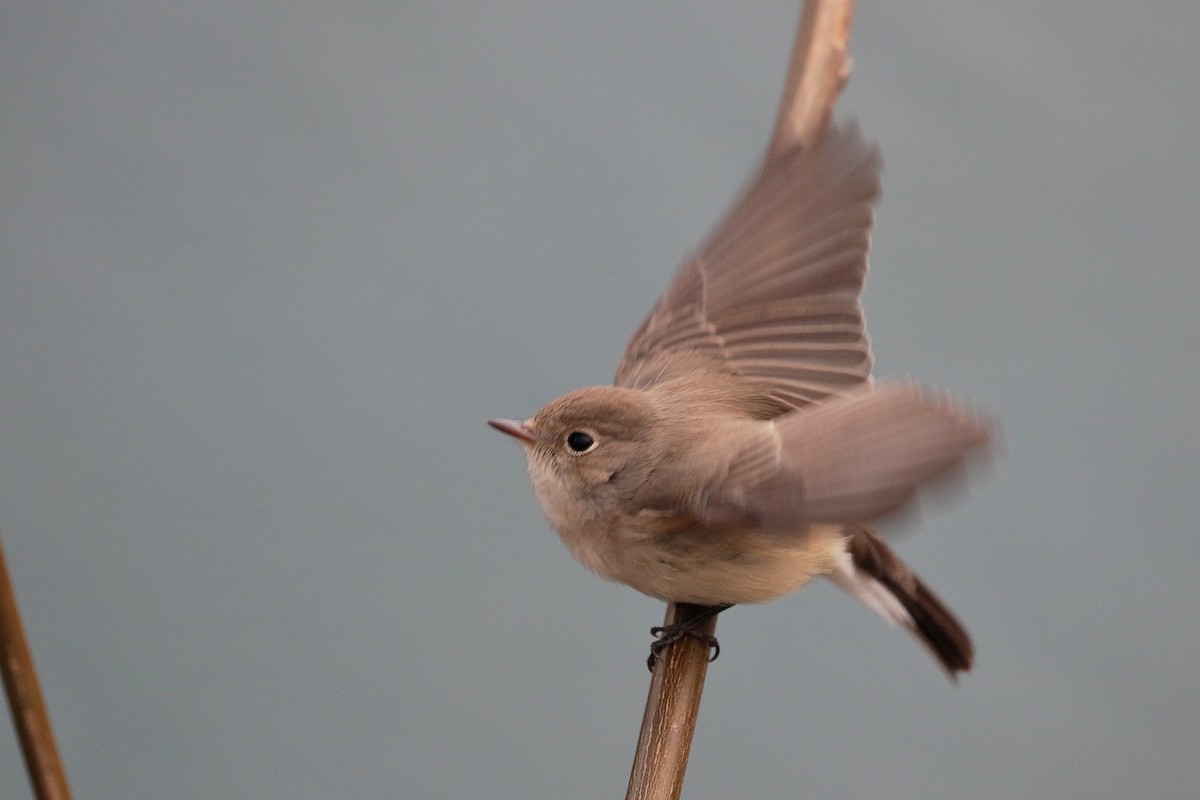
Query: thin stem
x,y
30,719
819,69
670,719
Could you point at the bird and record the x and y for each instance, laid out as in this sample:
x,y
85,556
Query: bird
x,y
744,447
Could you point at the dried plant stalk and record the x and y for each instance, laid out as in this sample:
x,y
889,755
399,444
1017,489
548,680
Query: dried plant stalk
x,y
25,702
671,709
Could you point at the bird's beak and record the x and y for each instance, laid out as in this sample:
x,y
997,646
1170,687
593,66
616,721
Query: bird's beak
x,y
514,428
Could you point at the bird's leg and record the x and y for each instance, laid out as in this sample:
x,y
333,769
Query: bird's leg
x,y
667,635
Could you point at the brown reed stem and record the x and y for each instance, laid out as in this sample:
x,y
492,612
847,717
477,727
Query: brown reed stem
x,y
30,719
670,718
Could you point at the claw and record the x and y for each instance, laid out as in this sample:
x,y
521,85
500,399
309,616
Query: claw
x,y
667,635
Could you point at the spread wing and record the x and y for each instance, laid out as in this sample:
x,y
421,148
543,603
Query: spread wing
x,y
773,295
851,459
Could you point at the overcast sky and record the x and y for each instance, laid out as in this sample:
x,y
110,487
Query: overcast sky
x,y
266,268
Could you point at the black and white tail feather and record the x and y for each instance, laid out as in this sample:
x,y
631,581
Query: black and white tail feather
x,y
872,573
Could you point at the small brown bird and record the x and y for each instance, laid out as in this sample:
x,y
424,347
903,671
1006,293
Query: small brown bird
x,y
744,449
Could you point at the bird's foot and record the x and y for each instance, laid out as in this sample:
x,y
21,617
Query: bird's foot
x,y
667,635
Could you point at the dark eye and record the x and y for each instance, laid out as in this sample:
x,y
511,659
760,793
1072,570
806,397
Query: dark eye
x,y
580,442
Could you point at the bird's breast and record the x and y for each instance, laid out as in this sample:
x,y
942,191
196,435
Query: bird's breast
x,y
675,557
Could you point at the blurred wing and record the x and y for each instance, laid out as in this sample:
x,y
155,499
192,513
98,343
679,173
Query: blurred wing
x,y
850,459
773,296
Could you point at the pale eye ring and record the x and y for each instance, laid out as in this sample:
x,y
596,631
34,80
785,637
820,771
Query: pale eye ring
x,y
580,442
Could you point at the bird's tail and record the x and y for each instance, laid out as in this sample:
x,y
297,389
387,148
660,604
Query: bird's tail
x,y
876,576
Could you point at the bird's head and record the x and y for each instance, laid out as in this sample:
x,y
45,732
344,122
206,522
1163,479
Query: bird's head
x,y
587,450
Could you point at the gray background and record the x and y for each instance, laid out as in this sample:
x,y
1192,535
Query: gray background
x,y
267,267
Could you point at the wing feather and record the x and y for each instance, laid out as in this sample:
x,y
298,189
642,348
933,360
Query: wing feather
x,y
773,295
849,459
